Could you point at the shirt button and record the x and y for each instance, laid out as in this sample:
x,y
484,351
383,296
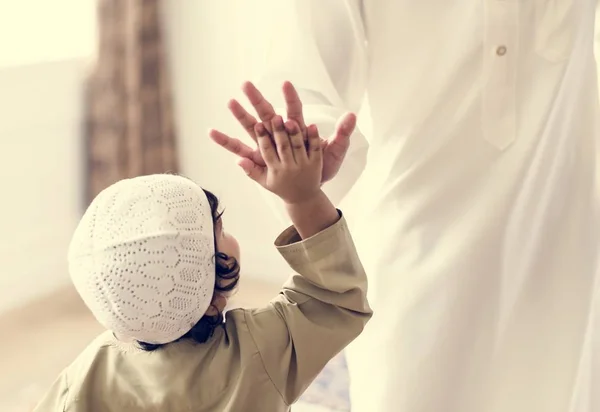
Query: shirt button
x,y
501,50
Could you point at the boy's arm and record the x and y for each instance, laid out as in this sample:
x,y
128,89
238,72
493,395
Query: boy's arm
x,y
56,397
312,216
319,311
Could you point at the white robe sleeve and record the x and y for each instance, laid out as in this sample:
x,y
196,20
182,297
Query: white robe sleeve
x,y
321,47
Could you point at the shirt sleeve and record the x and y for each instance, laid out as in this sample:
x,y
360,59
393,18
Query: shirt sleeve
x,y
321,47
319,311
55,400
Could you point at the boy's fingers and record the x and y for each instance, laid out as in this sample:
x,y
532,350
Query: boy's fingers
x,y
266,146
315,152
282,140
297,141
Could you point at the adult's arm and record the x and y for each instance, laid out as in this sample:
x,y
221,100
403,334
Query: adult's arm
x,y
321,47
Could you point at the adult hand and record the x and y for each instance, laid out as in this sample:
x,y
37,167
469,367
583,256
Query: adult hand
x,y
334,148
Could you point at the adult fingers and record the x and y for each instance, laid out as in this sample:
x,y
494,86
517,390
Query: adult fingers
x,y
296,141
346,125
243,117
235,146
282,141
340,142
294,105
253,171
263,108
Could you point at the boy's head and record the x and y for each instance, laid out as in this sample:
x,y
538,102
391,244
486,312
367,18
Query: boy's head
x,y
152,262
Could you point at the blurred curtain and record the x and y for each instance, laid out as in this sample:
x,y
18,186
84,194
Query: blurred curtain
x,y
130,128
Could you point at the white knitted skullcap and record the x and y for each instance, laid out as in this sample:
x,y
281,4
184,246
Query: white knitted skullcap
x,y
142,257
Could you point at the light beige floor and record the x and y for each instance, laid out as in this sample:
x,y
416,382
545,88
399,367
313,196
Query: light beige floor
x,y
38,341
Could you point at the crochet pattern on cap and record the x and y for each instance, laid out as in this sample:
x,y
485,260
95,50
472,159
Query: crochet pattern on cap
x,y
142,257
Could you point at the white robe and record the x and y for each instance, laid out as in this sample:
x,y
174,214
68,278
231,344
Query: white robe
x,y
477,216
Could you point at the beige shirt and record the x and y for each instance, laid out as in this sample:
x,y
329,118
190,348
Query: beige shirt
x,y
260,360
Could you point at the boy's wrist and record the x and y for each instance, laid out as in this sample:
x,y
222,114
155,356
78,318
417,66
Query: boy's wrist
x,y
312,215
307,201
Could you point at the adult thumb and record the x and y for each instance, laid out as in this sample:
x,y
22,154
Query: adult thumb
x,y
345,127
254,171
338,144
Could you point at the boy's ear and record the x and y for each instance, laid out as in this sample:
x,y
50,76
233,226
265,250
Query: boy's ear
x,y
217,305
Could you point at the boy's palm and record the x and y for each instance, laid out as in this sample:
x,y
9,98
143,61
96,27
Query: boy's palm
x,y
293,167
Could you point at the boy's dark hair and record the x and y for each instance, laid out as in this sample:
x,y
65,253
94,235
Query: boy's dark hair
x,y
227,273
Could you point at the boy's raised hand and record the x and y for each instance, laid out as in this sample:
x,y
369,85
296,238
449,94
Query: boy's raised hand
x,y
334,149
292,168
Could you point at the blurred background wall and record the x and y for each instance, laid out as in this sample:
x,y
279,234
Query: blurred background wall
x,y
43,58
46,51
